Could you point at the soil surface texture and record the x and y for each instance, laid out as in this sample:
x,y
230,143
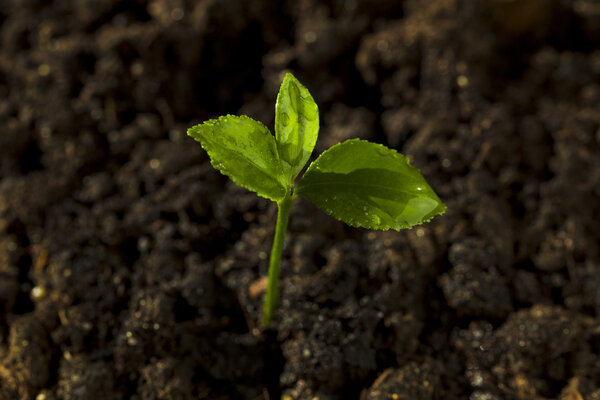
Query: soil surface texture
x,y
131,269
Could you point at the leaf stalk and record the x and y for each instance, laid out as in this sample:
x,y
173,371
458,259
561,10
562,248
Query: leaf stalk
x,y
283,213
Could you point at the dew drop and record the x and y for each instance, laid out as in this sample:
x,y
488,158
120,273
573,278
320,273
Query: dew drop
x,y
382,152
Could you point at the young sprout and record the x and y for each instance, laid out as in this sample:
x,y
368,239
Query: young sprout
x,y
361,183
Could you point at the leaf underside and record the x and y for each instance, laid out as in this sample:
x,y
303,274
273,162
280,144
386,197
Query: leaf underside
x,y
296,125
245,151
368,185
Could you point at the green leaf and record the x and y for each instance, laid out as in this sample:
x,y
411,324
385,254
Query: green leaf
x,y
369,185
296,125
244,150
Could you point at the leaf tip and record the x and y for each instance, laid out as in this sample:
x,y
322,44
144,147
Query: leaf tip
x,y
289,76
194,131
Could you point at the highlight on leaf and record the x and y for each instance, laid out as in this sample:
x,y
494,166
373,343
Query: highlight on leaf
x,y
369,185
296,125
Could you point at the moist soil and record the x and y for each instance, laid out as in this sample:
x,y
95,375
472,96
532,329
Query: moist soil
x,y
131,269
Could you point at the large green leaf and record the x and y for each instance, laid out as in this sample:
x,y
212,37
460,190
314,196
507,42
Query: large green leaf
x,y
369,185
296,125
244,150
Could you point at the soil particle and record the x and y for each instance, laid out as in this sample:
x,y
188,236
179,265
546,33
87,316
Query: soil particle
x,y
198,286
166,379
9,272
413,381
474,286
530,354
80,379
219,361
316,356
345,123
25,368
147,325
471,291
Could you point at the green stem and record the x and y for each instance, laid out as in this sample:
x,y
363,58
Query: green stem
x,y
283,214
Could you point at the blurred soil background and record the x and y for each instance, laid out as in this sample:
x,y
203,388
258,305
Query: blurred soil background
x,y
131,269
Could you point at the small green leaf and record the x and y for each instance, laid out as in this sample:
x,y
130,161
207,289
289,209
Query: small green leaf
x,y
296,125
369,185
244,150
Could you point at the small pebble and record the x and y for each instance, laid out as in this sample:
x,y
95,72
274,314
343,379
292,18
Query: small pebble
x,y
38,293
462,81
44,70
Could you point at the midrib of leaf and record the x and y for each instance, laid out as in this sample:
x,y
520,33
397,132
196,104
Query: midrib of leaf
x,y
255,165
351,185
297,146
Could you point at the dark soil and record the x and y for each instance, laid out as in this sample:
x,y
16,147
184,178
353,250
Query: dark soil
x,y
131,269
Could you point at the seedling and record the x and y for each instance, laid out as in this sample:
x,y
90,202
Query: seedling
x,y
361,183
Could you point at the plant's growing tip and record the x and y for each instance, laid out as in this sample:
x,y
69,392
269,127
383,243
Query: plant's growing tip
x,y
361,183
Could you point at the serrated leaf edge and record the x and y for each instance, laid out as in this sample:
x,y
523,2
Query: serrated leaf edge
x,y
329,212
